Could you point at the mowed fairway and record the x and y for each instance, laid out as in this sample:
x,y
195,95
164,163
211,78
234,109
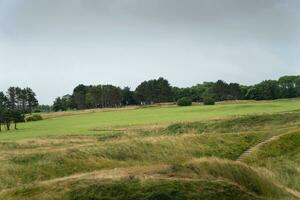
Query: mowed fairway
x,y
95,123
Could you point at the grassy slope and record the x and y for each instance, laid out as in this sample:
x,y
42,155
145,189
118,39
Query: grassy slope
x,y
25,164
200,179
282,157
85,123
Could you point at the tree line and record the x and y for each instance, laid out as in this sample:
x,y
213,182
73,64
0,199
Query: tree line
x,y
160,91
14,104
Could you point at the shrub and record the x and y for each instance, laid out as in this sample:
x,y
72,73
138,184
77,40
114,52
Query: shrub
x,y
185,101
209,100
34,118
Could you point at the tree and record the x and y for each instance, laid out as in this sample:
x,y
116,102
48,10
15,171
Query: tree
x,y
18,117
79,96
93,96
266,90
288,86
297,81
154,91
163,90
111,96
12,97
14,105
234,92
184,101
128,97
8,118
22,99
43,108
208,100
3,107
32,102
57,105
220,89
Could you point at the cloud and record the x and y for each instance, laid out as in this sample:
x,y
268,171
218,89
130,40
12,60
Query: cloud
x,y
52,45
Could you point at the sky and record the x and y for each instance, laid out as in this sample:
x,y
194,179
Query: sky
x,y
54,45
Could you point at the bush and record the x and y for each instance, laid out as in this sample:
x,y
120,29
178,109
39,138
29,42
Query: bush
x,y
185,101
209,101
34,118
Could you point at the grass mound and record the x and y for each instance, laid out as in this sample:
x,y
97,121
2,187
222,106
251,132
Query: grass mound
x,y
134,189
238,173
207,179
282,157
161,190
245,123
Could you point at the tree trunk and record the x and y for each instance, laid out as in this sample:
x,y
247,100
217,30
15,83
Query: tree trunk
x,y
8,125
15,125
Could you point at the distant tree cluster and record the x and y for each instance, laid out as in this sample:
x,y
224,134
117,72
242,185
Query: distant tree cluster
x,y
43,108
15,104
160,91
285,87
106,96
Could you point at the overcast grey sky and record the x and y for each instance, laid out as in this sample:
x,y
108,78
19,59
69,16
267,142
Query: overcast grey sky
x,y
53,45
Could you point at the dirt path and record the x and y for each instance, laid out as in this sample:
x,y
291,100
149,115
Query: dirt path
x,y
117,173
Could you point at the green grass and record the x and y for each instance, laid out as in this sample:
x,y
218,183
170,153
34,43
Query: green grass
x,y
282,157
128,189
39,166
207,179
86,124
199,146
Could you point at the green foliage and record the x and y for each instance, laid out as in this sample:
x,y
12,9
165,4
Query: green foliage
x,y
208,100
34,118
289,86
63,104
154,91
184,101
15,104
266,90
159,91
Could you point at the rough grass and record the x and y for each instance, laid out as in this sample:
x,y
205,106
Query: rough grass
x,y
129,189
190,148
161,190
236,172
206,179
37,166
282,157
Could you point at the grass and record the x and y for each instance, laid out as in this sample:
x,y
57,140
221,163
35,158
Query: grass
x,y
207,179
152,153
128,189
38,166
85,123
282,157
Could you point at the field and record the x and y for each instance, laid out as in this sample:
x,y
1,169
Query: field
x,y
95,121
234,150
